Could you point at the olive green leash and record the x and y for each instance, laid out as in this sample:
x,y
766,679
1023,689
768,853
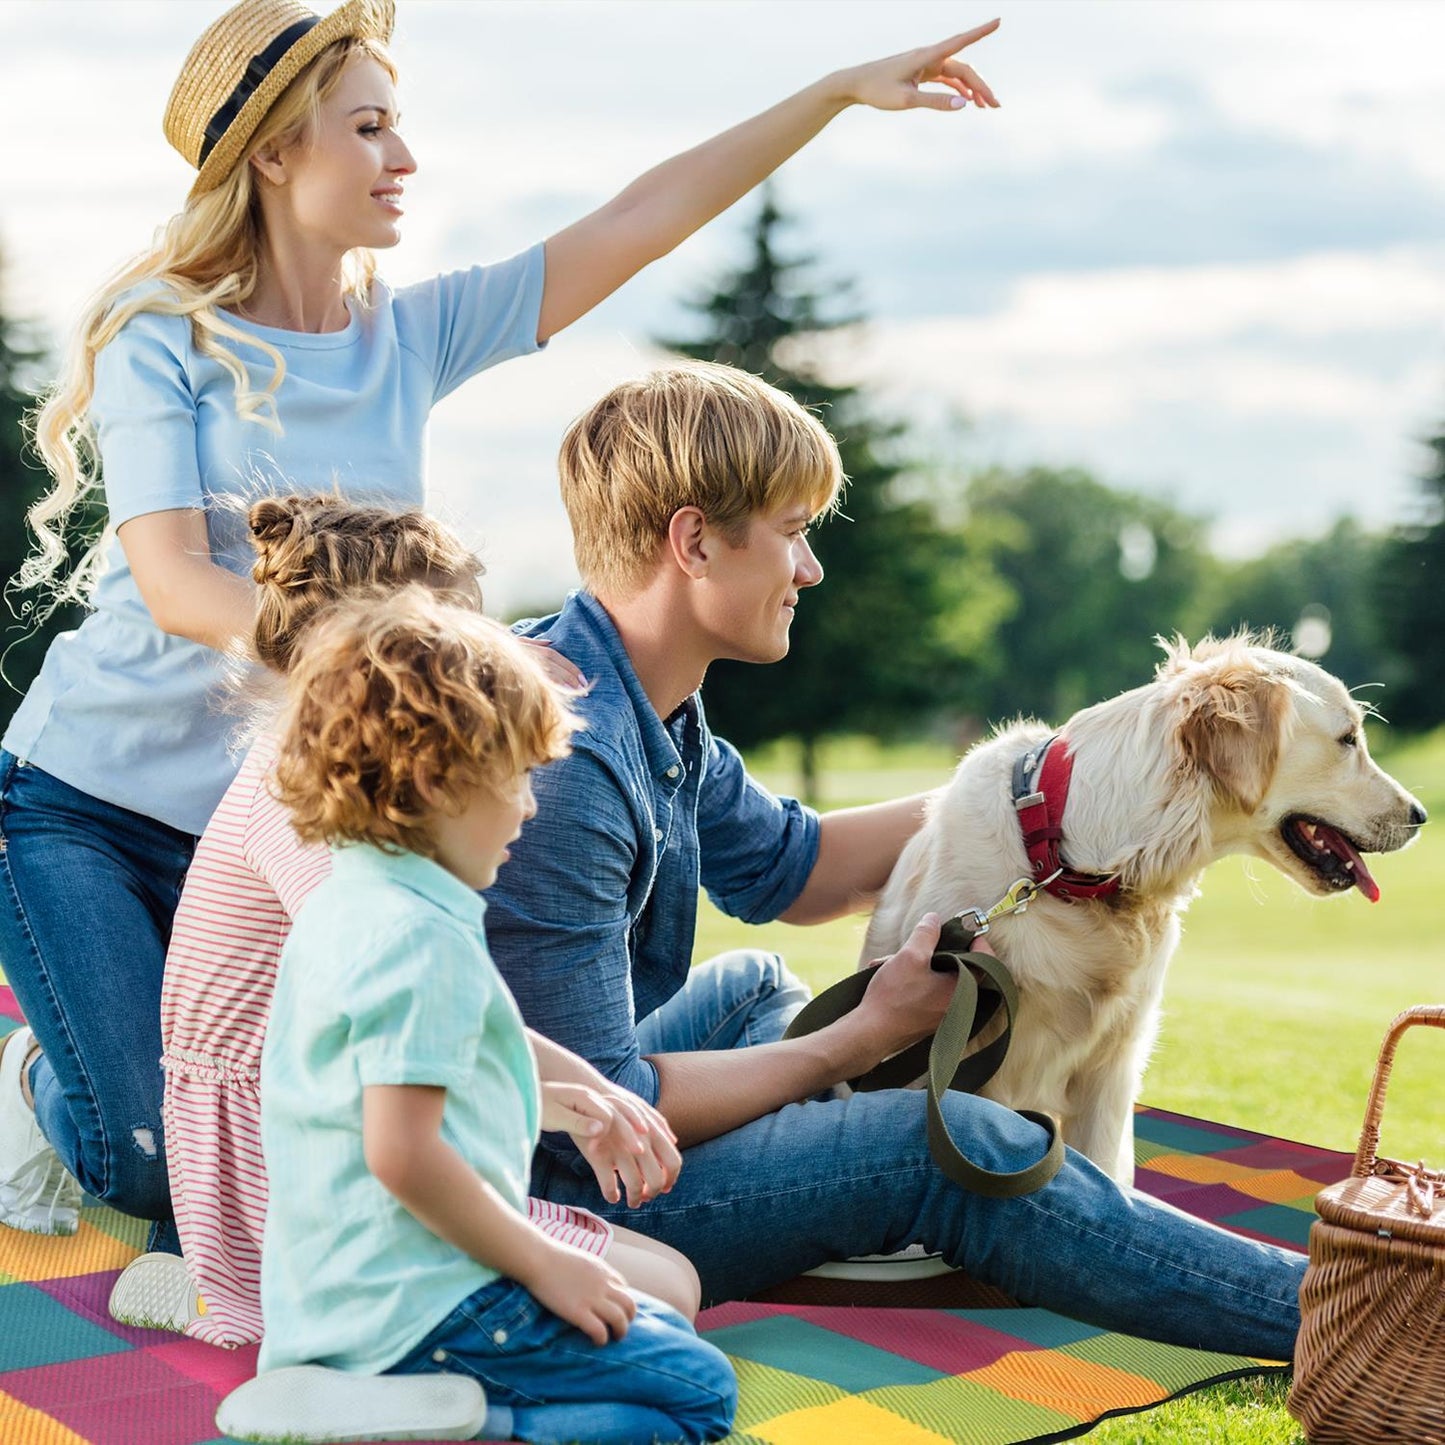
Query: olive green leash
x,y
984,986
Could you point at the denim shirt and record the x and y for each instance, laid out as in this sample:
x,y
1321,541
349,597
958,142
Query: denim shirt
x,y
591,922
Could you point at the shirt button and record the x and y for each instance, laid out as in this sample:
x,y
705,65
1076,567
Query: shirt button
x,y
672,772
657,834
499,1337
439,1356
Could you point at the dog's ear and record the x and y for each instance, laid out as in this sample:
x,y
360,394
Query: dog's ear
x,y
1232,718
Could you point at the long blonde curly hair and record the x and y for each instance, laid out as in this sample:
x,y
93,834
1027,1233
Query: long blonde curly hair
x,y
208,256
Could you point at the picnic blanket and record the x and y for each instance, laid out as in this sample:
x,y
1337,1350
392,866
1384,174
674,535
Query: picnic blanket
x,y
69,1375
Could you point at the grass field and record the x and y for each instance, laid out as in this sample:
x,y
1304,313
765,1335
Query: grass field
x,y
1274,1011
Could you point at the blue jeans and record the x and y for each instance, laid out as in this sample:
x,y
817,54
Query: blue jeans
x,y
545,1380
87,895
730,1002
830,1179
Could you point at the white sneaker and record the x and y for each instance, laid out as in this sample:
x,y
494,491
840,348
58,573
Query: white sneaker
x,y
156,1292
37,1193
312,1403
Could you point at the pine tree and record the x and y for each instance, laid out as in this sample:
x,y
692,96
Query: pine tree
x,y
886,641
1412,604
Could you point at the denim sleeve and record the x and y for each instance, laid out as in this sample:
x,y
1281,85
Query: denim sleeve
x,y
462,322
757,850
557,920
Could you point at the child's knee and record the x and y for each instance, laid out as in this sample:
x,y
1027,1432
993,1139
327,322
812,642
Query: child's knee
x,y
708,1414
679,1285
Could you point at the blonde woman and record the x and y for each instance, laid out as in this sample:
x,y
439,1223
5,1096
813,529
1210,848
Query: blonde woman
x,y
253,348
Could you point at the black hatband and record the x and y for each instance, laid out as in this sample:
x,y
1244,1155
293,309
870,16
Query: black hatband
x,y
257,70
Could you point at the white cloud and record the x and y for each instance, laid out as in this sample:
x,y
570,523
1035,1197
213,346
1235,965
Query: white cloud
x,y
1097,316
1273,397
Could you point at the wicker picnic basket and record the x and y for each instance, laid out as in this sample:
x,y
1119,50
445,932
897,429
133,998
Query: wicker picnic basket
x,y
1370,1363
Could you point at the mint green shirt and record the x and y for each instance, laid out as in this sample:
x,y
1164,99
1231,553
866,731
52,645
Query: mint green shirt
x,y
385,979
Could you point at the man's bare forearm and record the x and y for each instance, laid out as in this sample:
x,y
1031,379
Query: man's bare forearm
x,y
706,1094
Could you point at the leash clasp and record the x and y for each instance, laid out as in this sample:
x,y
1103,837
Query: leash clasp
x,y
1020,894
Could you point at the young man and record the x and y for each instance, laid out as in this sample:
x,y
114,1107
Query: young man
x,y
690,492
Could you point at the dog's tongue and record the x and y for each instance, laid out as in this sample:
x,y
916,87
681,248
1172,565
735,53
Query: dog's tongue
x,y
1338,844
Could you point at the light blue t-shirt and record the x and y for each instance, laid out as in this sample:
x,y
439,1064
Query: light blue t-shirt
x,y
385,979
137,718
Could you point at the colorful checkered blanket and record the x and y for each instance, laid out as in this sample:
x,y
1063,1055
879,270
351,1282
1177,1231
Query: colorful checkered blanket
x,y
69,1375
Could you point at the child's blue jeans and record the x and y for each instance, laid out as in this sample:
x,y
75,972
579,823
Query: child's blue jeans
x,y
545,1380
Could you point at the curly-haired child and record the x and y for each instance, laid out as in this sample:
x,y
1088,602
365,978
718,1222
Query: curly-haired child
x,y
249,877
401,1104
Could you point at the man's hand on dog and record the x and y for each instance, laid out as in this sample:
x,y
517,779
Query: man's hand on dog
x,y
907,999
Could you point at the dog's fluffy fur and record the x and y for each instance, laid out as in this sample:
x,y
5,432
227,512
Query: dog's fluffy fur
x,y
1232,748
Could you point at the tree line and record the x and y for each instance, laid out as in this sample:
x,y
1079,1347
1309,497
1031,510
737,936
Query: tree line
x,y
954,602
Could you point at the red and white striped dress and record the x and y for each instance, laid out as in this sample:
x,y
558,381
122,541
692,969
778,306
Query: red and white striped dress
x,y
249,877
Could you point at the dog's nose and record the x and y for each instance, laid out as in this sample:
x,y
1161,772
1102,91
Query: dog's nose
x,y
1418,816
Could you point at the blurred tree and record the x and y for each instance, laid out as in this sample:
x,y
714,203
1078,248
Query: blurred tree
x,y
891,636
1412,604
22,482
1095,575
1318,595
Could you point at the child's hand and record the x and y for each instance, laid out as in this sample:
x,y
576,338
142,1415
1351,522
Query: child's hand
x,y
619,1136
585,1291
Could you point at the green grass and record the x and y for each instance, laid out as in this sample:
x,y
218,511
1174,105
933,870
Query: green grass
x,y
1275,1007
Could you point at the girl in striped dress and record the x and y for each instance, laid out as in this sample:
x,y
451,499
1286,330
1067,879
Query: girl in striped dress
x,y
249,878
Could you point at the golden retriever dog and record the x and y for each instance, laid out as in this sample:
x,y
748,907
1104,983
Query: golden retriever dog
x,y
1232,748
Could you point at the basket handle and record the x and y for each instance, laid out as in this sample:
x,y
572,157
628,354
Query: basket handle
x,y
1366,1155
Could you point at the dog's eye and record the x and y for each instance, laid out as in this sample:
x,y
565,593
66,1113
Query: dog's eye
x,y
1350,739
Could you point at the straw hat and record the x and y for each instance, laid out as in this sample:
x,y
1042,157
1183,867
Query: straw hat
x,y
242,63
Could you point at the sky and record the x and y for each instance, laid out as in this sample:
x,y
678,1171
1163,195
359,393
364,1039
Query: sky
x,y
1200,250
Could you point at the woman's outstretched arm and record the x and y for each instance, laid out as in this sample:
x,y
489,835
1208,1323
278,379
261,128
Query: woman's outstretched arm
x,y
589,260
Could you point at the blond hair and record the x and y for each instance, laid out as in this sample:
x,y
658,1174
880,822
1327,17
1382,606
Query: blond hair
x,y
314,550
697,435
207,256
402,709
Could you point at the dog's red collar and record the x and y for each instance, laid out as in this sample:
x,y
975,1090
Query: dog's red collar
x,y
1040,789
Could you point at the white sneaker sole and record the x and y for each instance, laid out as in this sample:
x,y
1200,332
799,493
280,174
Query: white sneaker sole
x,y
311,1403
912,1263
155,1292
